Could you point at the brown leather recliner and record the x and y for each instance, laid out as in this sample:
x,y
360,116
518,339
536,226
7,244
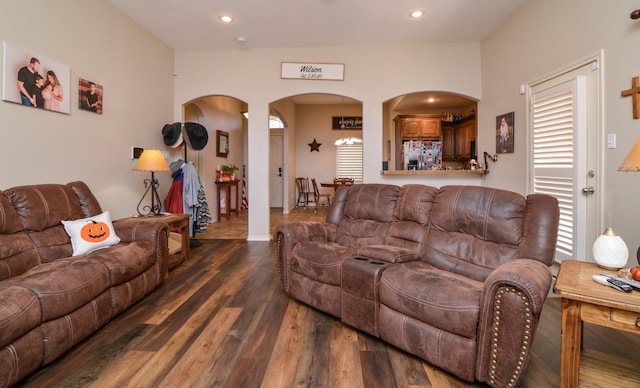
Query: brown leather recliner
x,y
456,275
49,300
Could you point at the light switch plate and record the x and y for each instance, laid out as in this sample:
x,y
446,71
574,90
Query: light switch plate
x,y
611,140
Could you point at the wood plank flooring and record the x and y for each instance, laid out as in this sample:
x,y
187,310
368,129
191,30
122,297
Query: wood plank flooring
x,y
221,319
236,226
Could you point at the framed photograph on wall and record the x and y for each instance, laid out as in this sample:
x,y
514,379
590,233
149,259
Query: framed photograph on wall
x,y
90,96
505,130
222,143
35,81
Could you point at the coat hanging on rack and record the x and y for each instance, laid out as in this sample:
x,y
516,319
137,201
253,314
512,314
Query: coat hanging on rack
x,y
186,194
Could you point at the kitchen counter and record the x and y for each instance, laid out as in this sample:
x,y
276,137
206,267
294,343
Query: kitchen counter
x,y
434,172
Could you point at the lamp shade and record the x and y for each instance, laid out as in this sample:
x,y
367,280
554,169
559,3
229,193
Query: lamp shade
x,y
151,160
632,161
610,251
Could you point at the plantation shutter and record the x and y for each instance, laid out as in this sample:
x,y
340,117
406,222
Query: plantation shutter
x,y
554,156
349,161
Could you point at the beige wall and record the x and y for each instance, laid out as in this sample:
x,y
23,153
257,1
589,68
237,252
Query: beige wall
x,y
372,75
135,69
543,37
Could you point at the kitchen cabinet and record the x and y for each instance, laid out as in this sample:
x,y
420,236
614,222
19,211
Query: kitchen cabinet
x,y
457,137
448,141
465,134
418,127
414,127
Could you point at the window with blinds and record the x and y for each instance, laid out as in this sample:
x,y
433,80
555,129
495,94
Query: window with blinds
x,y
349,161
553,116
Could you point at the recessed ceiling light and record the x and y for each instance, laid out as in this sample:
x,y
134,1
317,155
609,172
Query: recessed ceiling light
x,y
416,14
226,19
431,99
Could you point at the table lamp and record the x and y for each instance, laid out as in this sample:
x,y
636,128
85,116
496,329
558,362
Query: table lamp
x,y
153,161
632,164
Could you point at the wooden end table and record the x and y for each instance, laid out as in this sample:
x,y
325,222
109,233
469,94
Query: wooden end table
x,y
178,222
584,300
224,187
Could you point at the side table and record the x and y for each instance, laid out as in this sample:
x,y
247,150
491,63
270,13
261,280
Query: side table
x,y
176,222
584,300
224,187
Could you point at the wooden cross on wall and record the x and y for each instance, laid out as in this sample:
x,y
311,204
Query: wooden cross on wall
x,y
634,92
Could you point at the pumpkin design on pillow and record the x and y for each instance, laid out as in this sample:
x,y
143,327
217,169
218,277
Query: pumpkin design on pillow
x,y
95,231
91,233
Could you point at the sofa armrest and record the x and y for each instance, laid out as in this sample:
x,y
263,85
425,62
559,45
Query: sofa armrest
x,y
155,232
388,253
510,307
288,235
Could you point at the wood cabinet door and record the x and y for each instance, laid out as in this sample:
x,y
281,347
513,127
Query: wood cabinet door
x,y
448,145
465,133
431,128
411,128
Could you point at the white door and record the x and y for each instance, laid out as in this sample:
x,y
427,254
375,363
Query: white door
x,y
564,159
276,170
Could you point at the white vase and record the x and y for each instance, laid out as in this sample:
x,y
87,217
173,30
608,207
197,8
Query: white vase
x,y
610,251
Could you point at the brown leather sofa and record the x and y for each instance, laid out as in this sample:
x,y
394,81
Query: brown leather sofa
x,y
50,301
455,275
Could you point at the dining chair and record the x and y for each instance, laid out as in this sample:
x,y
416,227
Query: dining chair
x,y
317,195
304,194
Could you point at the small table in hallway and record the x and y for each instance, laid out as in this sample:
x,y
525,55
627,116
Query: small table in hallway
x,y
584,300
224,187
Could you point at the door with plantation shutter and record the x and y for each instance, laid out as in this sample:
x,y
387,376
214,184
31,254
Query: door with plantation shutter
x,y
564,128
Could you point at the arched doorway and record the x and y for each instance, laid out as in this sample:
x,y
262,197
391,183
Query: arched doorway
x,y
309,118
217,112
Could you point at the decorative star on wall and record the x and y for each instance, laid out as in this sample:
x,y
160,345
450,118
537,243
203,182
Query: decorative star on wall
x,y
315,146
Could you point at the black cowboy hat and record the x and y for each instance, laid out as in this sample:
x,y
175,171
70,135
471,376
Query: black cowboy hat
x,y
196,135
172,134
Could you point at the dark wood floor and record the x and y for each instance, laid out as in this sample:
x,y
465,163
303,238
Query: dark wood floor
x,y
221,319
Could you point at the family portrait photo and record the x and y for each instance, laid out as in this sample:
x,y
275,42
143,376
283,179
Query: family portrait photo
x,y
34,80
504,133
90,96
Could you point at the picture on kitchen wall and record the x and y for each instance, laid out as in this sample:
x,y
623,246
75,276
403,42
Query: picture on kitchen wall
x,y
35,81
90,96
504,133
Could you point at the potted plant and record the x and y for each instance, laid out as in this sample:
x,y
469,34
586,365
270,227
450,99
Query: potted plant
x,y
228,171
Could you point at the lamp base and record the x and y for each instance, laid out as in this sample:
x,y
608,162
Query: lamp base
x,y
152,210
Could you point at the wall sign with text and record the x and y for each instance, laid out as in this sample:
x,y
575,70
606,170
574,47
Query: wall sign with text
x,y
344,122
312,71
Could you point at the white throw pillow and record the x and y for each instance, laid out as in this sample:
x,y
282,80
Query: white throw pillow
x,y
90,234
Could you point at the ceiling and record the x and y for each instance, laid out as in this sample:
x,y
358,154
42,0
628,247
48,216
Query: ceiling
x,y
194,24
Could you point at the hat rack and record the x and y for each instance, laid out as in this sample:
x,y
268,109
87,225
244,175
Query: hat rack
x,y
191,135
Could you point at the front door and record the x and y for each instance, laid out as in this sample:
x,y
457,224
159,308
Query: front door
x,y
275,170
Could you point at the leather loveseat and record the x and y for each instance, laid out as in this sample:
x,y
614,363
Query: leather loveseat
x,y
454,275
51,300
